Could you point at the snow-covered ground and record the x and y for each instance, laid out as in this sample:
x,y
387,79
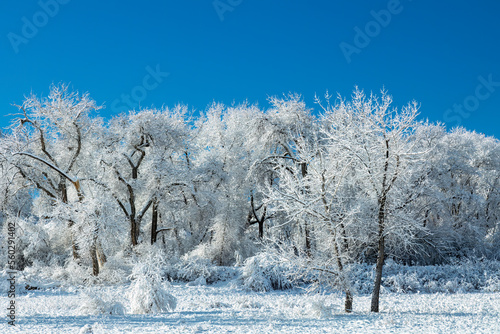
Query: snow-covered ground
x,y
224,308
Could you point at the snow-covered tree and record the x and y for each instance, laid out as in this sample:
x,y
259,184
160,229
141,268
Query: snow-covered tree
x,y
223,160
379,140
141,158
463,192
48,143
360,182
316,197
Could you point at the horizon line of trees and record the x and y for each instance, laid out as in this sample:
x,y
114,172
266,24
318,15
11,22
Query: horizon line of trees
x,y
359,182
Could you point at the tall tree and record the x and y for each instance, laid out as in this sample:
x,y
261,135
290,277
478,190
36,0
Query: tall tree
x,y
50,139
315,197
378,138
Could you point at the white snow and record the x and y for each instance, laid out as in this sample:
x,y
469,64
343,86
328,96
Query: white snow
x,y
224,308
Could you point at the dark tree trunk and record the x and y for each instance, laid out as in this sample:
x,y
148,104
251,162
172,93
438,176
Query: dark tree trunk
x,y
63,190
95,260
133,231
307,232
386,186
253,214
348,301
308,239
380,257
154,223
135,173
378,277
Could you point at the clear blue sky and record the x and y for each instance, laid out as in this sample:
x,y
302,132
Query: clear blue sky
x,y
440,53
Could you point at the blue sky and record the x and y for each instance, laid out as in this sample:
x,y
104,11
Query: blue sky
x,y
443,54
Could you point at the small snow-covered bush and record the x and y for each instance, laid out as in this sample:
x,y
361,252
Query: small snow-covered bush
x,y
94,304
263,273
87,329
321,308
32,243
492,284
114,271
192,268
148,293
247,302
148,296
71,274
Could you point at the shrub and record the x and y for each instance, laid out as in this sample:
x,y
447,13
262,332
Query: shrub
x,y
147,292
264,273
94,304
192,268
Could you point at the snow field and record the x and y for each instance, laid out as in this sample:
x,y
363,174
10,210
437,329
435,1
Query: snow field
x,y
223,308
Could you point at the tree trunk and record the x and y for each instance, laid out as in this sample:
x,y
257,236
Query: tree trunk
x,y
154,223
348,301
381,229
380,257
95,260
308,239
133,231
63,190
64,197
348,294
74,246
101,257
378,277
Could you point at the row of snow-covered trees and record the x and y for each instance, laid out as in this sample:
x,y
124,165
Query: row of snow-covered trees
x,y
357,181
